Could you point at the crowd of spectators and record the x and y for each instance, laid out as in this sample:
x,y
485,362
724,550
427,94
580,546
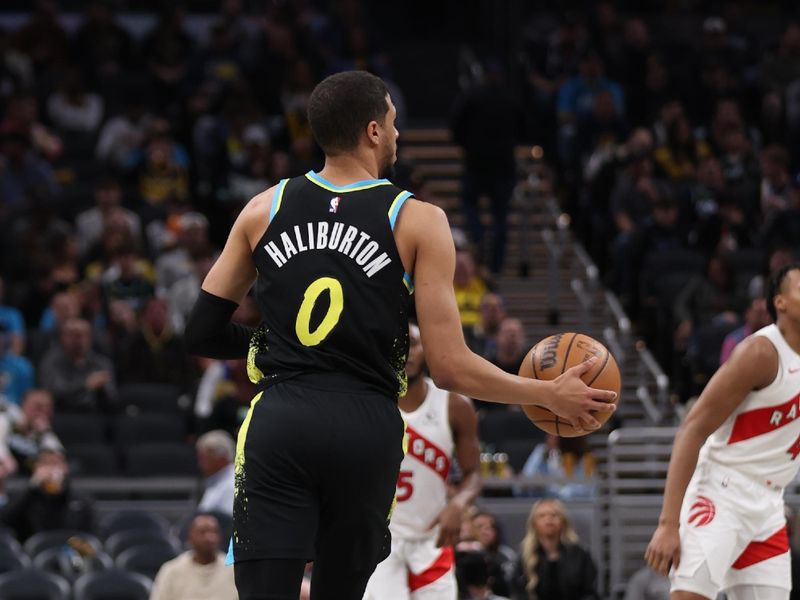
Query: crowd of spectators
x,y
125,154
677,152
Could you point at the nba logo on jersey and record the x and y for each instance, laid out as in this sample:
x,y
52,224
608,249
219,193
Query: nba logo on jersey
x,y
335,204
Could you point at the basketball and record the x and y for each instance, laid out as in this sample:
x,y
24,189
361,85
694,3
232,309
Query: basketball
x,y
555,354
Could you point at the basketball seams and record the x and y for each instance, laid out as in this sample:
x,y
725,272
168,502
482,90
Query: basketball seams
x,y
544,418
602,368
566,354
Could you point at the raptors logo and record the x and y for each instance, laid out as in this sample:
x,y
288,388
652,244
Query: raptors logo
x,y
702,511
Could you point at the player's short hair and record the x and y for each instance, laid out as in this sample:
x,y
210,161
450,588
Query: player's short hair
x,y
774,287
342,105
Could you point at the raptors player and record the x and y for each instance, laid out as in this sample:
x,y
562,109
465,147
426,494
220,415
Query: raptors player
x,y
425,525
723,527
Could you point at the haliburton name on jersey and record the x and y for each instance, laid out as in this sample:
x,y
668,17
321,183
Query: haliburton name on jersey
x,y
324,236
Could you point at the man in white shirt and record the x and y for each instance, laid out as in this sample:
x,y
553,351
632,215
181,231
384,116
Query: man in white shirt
x,y
199,573
215,452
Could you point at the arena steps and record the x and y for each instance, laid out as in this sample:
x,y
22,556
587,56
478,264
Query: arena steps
x,y
438,161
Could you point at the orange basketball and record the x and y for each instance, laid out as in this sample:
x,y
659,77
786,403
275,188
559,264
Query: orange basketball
x,y
551,357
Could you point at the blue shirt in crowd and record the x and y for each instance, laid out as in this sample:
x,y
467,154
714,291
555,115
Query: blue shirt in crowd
x,y
16,377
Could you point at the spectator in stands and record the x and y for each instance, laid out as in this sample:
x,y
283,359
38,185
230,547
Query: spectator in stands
x,y
469,287
602,127
163,176
576,98
192,241
129,277
776,189
473,574
200,573
553,566
123,137
485,123
482,337
22,114
72,108
63,307
155,352
14,324
646,584
48,502
168,49
705,299
91,223
739,166
103,49
183,293
755,317
662,231
215,454
680,156
510,345
567,460
721,221
501,559
42,38
16,372
28,432
24,177
79,378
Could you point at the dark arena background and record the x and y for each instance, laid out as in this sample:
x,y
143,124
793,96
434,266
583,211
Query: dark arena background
x,y
628,170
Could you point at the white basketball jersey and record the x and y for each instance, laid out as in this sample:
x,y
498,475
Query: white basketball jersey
x,y
421,485
761,439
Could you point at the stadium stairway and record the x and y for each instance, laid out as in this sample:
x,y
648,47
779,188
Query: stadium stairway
x,y
561,290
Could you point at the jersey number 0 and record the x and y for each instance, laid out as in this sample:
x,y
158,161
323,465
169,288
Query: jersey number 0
x,y
303,324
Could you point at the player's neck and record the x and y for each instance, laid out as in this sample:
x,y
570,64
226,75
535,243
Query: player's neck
x,y
415,396
790,335
348,168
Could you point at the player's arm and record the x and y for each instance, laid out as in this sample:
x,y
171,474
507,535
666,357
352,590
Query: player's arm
x,y
752,366
209,331
455,367
464,425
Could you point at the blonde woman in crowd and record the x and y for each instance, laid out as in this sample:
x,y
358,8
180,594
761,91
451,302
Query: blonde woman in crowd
x,y
553,566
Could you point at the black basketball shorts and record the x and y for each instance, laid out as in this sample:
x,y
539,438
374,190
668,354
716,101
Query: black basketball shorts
x,y
316,468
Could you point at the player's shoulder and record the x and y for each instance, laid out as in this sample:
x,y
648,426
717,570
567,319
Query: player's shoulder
x,y
461,412
423,215
459,401
756,349
260,202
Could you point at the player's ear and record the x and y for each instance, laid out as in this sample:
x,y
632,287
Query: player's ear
x,y
780,302
373,133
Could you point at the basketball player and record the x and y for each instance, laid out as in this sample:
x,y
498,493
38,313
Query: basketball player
x,y
722,526
425,525
335,256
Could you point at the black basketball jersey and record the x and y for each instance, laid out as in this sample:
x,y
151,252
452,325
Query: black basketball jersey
x,y
332,290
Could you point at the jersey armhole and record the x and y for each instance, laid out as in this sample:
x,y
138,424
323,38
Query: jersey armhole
x,y
277,199
394,210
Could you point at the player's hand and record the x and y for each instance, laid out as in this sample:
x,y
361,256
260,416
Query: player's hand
x,y
575,401
664,549
449,522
